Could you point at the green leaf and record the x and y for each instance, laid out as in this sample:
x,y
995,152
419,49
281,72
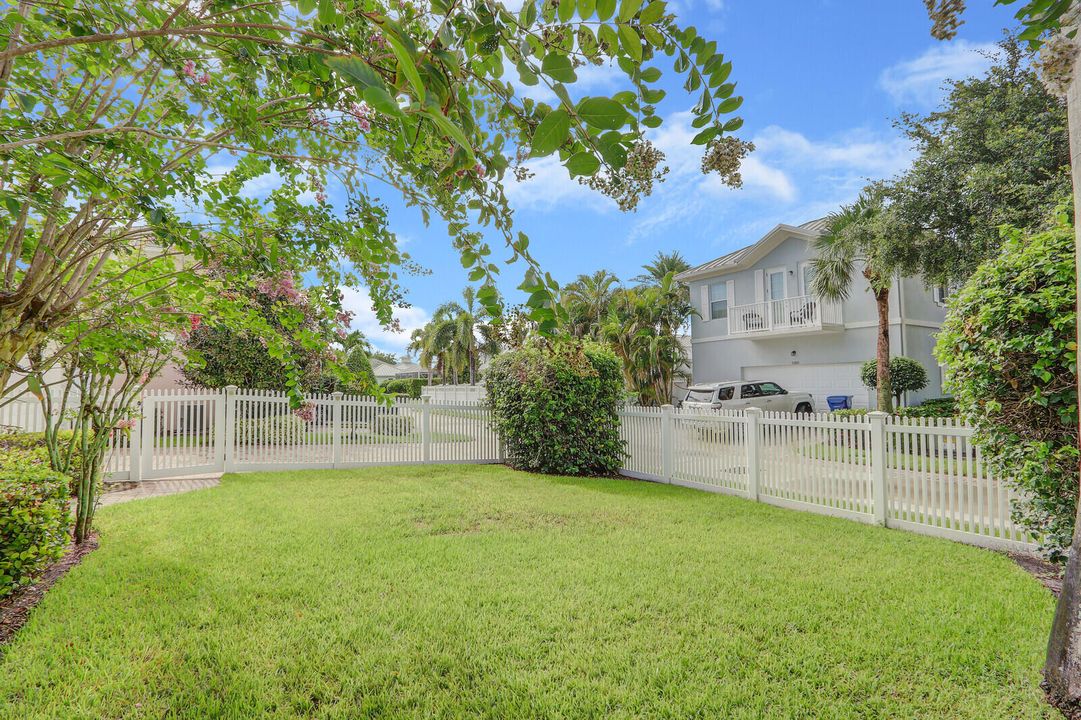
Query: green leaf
x,y
628,8
381,100
357,71
583,163
326,11
558,67
26,102
721,74
552,132
652,121
606,35
407,65
602,113
653,12
650,75
706,135
566,9
632,44
453,131
586,8
733,125
605,8
305,6
730,105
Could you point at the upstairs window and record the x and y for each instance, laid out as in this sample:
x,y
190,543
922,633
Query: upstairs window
x,y
718,300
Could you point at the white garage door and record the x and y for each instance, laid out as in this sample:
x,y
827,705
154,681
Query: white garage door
x,y
819,380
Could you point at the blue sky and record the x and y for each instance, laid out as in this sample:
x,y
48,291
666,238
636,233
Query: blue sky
x,y
822,80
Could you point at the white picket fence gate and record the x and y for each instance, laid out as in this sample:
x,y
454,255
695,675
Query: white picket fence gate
x,y
921,475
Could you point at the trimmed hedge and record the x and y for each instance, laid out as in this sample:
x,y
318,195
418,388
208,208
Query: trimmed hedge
x,y
410,387
275,429
35,524
555,405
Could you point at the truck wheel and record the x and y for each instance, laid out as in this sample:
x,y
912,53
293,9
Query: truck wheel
x,y
804,408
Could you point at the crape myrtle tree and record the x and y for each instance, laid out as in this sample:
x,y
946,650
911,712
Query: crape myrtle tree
x,y
108,368
1051,25
117,114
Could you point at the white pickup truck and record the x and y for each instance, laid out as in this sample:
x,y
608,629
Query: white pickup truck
x,y
742,394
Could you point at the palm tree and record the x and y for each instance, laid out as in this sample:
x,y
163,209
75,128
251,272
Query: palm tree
x,y
454,335
587,300
643,328
856,238
662,265
421,345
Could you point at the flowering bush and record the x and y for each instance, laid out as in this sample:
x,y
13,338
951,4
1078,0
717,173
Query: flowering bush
x,y
555,405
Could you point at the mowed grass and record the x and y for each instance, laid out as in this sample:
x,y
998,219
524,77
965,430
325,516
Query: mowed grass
x,y
463,591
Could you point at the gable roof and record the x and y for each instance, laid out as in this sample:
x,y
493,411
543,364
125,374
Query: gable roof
x,y
746,256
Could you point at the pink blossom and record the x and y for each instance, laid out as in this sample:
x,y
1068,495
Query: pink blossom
x,y
379,41
316,120
478,169
342,333
126,424
360,110
195,320
281,287
344,317
321,196
365,126
144,378
189,68
204,79
306,412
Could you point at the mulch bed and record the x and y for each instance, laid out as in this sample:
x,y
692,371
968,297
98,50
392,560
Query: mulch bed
x,y
15,609
1049,574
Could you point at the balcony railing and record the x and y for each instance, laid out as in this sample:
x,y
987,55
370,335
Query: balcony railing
x,y
805,313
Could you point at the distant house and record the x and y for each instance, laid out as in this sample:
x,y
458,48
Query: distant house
x,y
760,321
383,371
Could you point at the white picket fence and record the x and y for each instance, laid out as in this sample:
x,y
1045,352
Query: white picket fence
x,y
922,475
191,432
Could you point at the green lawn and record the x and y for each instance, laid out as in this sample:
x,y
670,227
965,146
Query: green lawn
x,y
461,591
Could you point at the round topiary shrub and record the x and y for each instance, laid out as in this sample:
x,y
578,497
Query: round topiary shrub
x,y
906,375
35,523
1009,347
555,404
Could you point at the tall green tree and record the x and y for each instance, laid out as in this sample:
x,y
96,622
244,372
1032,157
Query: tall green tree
x,y
858,240
995,153
587,300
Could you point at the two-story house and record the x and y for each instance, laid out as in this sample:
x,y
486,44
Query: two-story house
x,y
759,320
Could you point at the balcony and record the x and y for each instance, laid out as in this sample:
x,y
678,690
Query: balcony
x,y
802,315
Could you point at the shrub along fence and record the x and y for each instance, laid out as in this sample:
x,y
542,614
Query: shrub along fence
x,y
919,474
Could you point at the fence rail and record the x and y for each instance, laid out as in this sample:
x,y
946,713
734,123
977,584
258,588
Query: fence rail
x,y
922,475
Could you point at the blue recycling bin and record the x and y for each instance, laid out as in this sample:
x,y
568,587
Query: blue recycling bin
x,y
839,402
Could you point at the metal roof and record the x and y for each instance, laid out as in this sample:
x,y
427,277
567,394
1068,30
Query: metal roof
x,y
733,259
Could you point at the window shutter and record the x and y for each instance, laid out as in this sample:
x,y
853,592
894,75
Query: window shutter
x,y
705,302
731,286
759,285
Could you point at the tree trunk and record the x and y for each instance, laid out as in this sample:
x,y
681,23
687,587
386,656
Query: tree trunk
x,y
1062,669
882,351
472,368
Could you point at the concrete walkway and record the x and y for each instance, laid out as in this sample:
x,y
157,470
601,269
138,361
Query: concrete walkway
x,y
158,488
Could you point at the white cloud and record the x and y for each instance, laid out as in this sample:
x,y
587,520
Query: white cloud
x,y
409,319
921,79
550,187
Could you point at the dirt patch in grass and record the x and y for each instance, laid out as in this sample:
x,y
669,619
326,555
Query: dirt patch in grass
x,y
1048,573
15,609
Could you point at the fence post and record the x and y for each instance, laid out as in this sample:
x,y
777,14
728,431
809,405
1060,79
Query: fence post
x,y
878,464
146,431
219,432
753,417
135,451
336,427
425,429
228,437
668,425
